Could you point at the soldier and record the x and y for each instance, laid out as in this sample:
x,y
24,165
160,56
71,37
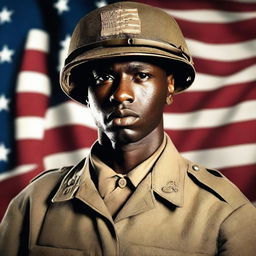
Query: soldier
x,y
134,194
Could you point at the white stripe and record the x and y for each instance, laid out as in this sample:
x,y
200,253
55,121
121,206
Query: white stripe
x,y
205,82
65,159
22,169
213,16
33,82
209,118
37,40
69,113
230,156
223,52
29,128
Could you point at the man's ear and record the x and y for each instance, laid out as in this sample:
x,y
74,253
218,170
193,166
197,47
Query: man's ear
x,y
170,81
171,88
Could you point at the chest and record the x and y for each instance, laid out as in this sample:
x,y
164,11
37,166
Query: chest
x,y
77,228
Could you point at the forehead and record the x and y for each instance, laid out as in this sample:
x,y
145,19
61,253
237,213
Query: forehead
x,y
131,63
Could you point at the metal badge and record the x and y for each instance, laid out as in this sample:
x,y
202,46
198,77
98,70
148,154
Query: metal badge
x,y
120,21
170,187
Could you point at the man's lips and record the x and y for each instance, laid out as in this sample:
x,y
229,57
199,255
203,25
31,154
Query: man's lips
x,y
123,117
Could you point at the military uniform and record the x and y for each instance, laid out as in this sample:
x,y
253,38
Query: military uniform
x,y
179,208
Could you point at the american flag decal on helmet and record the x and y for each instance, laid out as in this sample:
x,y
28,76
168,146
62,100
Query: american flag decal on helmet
x,y
120,21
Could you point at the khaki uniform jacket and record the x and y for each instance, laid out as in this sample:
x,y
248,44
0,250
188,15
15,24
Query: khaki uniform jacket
x,y
179,209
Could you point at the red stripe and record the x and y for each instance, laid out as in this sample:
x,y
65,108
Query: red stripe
x,y
57,140
29,151
68,138
202,4
210,138
244,177
34,60
226,96
9,188
79,137
31,104
222,68
219,33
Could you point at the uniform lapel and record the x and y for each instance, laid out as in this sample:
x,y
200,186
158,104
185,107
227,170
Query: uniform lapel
x,y
168,175
166,180
78,183
141,200
89,194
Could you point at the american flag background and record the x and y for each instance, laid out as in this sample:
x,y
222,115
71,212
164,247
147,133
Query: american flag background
x,y
213,123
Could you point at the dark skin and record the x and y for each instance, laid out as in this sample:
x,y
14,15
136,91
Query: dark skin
x,y
127,99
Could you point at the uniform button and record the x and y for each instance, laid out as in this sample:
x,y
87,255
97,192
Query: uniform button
x,y
122,182
196,168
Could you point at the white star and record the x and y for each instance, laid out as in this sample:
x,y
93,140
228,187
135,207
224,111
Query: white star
x,y
101,3
61,6
6,54
3,152
65,43
64,51
5,15
4,103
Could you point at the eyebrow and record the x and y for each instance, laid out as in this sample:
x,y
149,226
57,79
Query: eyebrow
x,y
138,67
133,67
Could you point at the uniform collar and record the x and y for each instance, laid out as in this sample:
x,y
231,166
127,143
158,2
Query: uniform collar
x,y
78,184
167,179
70,183
168,175
103,173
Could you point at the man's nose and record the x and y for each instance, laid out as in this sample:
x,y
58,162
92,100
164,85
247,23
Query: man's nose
x,y
123,91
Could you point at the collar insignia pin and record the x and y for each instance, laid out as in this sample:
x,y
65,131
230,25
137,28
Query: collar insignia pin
x,y
170,187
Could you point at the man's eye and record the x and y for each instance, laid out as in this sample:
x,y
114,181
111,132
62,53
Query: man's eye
x,y
141,76
103,79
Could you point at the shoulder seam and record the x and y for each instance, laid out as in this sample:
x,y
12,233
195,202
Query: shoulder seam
x,y
218,185
233,211
60,170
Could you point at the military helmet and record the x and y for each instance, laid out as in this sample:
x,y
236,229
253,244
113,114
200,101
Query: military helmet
x,y
127,29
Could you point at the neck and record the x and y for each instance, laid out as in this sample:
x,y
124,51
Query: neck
x,y
123,158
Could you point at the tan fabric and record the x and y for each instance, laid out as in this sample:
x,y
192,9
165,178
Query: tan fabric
x,y
179,208
107,179
138,174
103,172
117,198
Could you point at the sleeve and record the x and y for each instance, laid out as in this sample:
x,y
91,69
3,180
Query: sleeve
x,y
238,232
12,231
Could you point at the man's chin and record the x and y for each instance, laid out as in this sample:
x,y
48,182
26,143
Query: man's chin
x,y
124,136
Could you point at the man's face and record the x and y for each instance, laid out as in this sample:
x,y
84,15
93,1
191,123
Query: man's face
x,y
127,99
